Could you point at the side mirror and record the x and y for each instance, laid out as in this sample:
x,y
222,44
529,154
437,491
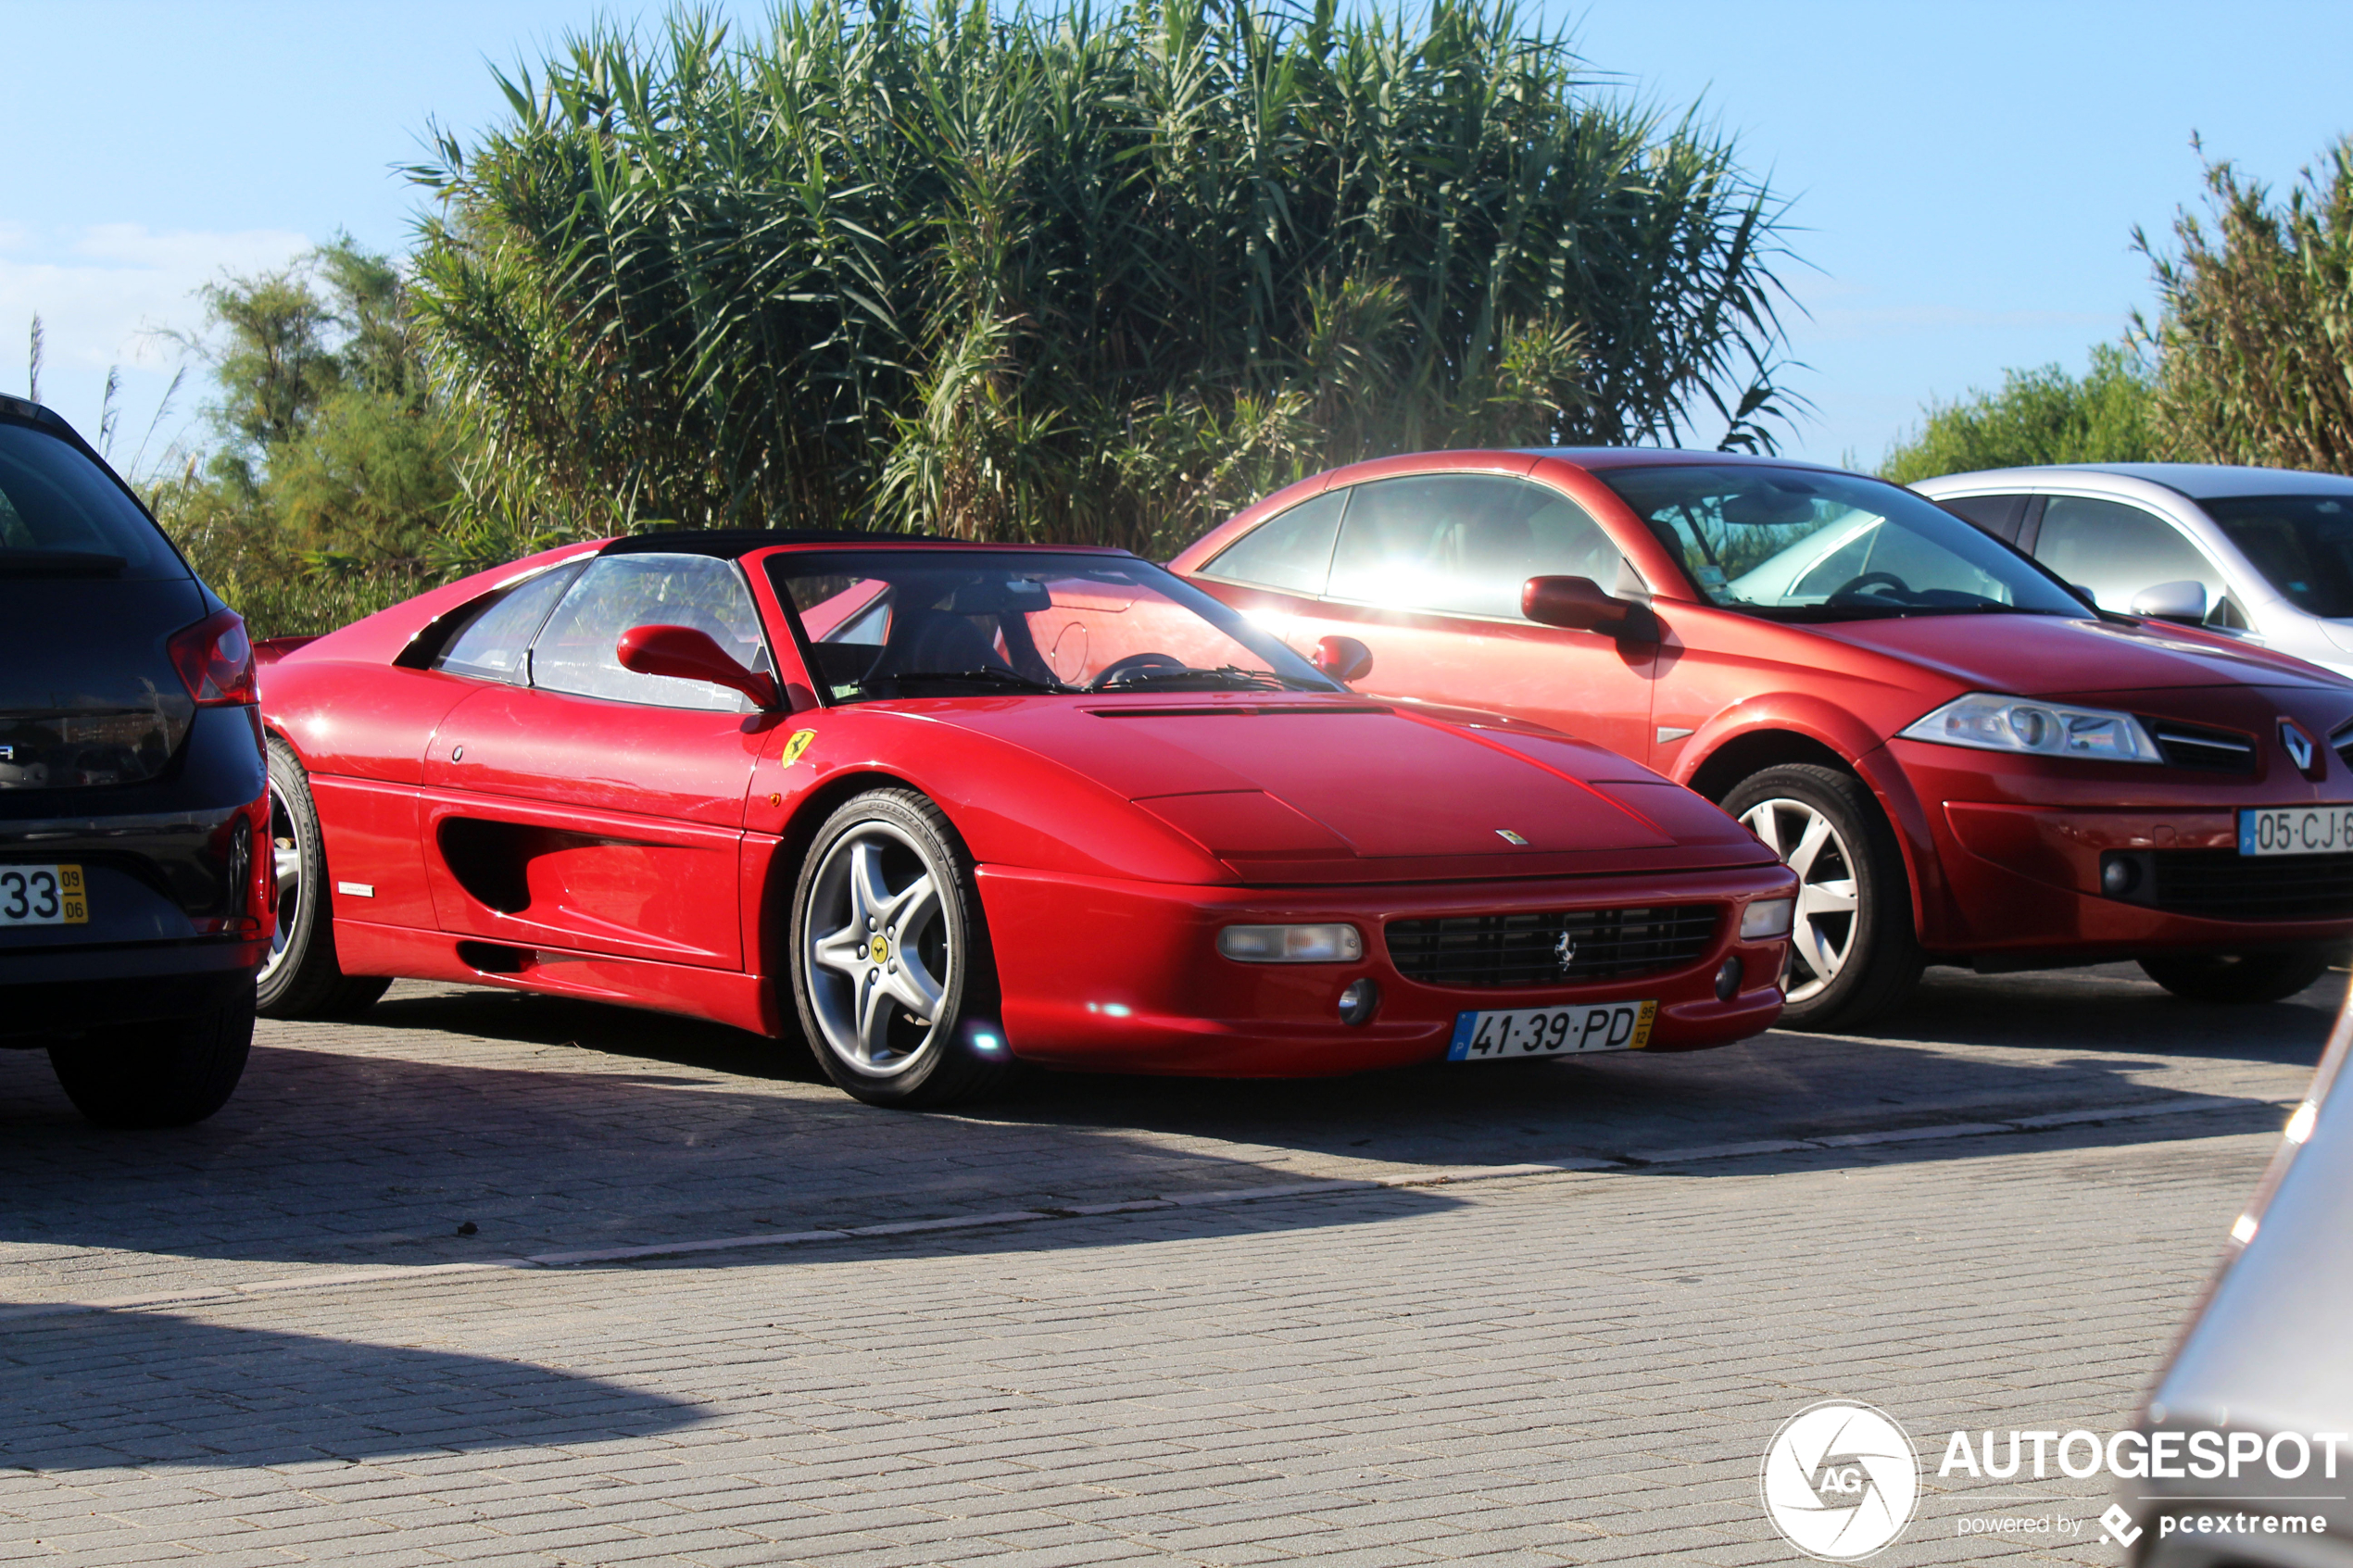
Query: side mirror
x,y
1579,604
2182,600
684,654
1342,658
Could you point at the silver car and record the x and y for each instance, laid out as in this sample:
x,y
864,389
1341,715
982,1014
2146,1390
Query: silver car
x,y
2262,554
2246,1451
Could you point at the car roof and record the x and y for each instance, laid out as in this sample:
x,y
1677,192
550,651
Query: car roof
x,y
2200,481
729,544
1655,457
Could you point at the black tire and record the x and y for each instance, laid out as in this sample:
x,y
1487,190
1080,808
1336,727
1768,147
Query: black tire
x,y
165,1074
2238,977
1871,955
301,979
883,1052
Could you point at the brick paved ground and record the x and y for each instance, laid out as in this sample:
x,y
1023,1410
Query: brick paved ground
x,y
1579,1368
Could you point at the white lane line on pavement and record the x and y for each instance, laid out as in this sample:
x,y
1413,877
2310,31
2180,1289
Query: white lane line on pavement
x,y
203,1296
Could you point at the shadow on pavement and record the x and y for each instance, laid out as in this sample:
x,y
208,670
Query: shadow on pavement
x,y
148,1388
551,1125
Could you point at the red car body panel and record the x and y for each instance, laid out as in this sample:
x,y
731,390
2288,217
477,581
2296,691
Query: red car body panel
x,y
2003,851
513,836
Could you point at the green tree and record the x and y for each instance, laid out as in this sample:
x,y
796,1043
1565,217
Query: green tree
x,y
2108,415
334,465
1071,275
2256,327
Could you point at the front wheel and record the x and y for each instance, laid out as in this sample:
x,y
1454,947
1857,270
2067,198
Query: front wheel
x,y
892,973
161,1075
1852,954
2238,977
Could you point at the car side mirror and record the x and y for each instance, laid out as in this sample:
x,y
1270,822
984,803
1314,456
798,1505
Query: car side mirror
x,y
1343,658
2182,600
1579,604
684,654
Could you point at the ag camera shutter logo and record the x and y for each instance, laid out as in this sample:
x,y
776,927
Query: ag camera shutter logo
x,y
1840,1480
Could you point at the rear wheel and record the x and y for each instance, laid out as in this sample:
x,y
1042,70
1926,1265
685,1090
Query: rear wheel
x,y
300,977
2238,977
165,1074
1853,952
892,972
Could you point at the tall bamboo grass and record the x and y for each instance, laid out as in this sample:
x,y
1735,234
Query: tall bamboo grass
x,y
1079,275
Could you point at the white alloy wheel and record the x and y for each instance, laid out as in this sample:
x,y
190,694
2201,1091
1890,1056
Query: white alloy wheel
x,y
880,961
1828,900
286,856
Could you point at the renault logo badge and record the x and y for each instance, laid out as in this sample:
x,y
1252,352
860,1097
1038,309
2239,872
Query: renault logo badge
x,y
2300,749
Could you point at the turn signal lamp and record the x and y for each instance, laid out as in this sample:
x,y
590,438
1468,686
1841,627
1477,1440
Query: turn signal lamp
x,y
1767,918
1292,944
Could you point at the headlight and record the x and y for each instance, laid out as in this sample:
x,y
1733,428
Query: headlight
x,y
1992,723
1766,918
1292,944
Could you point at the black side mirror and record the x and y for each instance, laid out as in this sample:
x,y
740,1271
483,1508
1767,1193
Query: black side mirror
x,y
1579,604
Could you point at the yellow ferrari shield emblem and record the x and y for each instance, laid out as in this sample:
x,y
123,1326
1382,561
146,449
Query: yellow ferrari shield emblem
x,y
797,744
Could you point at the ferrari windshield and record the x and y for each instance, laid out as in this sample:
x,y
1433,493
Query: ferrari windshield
x,y
912,622
2302,545
1805,545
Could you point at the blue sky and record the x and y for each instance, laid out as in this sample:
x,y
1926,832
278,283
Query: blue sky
x,y
1965,177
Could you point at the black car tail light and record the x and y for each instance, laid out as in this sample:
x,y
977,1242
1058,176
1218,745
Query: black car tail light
x,y
215,661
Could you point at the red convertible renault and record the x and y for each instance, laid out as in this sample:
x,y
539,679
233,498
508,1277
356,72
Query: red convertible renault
x,y
1965,760
946,807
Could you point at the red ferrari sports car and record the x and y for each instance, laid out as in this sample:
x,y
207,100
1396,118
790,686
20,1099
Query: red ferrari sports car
x,y
1964,758
949,805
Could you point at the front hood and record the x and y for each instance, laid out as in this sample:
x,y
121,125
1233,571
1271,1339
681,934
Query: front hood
x,y
2047,655
1337,790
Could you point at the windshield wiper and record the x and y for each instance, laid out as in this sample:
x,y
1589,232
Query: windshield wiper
x,y
991,675
1231,675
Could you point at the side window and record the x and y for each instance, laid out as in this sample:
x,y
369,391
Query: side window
x,y
492,645
2116,550
1998,515
576,651
1291,550
1463,544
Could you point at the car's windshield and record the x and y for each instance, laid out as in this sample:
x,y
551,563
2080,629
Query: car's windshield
x,y
2302,545
1803,545
923,622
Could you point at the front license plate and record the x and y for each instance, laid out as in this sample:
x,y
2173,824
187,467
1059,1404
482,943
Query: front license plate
x,y
2295,829
1613,1026
43,896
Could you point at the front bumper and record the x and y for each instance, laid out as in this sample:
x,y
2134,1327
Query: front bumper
x,y
1125,976
2019,842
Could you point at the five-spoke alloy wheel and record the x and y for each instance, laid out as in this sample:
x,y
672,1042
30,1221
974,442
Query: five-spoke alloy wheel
x,y
891,967
300,978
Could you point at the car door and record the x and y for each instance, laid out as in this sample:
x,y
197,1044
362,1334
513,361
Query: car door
x,y
2116,550
1426,570
588,807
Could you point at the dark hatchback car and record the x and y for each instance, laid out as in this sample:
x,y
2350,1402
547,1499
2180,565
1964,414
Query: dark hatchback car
x,y
137,880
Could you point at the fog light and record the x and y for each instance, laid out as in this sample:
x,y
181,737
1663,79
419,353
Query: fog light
x,y
2119,874
1292,944
1767,918
1728,980
1359,1001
